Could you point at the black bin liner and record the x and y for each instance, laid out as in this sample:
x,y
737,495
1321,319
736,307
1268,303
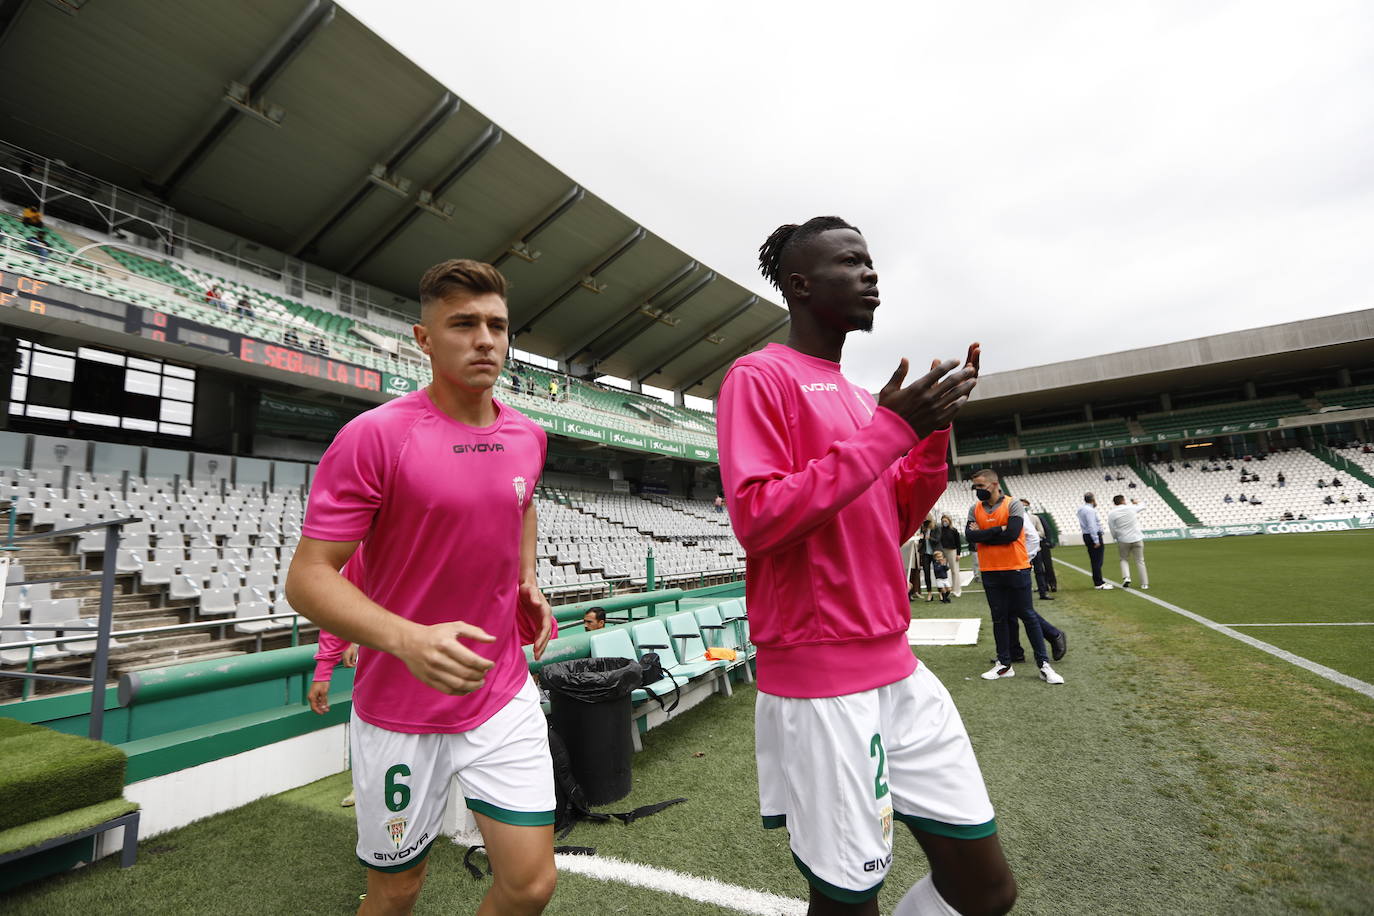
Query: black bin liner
x,y
589,702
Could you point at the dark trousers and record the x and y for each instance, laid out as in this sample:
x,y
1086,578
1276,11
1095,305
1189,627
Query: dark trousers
x,y
1042,583
1047,562
1047,629
926,562
1095,553
1009,597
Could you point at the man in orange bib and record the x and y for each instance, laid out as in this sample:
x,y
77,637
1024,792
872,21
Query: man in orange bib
x,y
996,529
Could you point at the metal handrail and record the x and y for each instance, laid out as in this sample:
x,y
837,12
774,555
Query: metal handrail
x,y
100,663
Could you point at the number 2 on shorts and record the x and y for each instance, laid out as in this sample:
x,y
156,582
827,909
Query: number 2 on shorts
x,y
875,749
397,793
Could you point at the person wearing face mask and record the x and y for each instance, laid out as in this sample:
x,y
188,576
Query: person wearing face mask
x,y
996,526
951,543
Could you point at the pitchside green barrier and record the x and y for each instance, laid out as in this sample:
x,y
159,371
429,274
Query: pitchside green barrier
x,y
620,438
1303,526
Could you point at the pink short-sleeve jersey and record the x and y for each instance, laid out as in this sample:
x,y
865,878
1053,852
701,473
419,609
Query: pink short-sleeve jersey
x,y
439,508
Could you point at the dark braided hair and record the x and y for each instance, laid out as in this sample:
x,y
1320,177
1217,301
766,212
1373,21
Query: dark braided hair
x,y
788,237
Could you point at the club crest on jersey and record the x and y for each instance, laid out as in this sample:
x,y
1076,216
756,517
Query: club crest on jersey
x,y
820,386
396,829
886,820
519,484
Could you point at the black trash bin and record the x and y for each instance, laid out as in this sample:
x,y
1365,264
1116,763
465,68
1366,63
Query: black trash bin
x,y
590,709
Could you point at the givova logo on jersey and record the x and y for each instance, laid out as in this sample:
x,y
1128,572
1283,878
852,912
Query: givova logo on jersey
x,y
478,448
820,386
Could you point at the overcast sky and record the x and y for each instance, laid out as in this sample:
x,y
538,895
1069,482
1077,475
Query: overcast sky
x,y
1054,179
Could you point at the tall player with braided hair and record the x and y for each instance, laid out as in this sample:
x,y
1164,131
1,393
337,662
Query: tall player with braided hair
x,y
823,484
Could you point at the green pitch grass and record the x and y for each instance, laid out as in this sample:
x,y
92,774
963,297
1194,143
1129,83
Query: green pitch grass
x,y
1178,771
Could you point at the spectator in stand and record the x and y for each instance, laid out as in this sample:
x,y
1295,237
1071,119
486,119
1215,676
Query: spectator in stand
x,y
720,503
594,619
1359,497
1344,498
1242,498
33,218
1107,477
1171,468
330,651
1131,485
1283,481
245,308
951,543
1255,501
1328,501
1227,499
1124,522
1335,481
1037,547
1091,526
38,245
553,389
1320,483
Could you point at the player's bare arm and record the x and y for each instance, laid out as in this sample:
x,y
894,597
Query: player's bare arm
x,y
931,401
532,600
315,588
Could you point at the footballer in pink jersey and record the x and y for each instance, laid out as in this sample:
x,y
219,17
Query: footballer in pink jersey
x,y
823,483
437,489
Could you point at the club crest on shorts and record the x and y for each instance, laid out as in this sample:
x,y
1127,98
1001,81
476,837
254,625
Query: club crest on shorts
x,y
519,484
885,818
396,829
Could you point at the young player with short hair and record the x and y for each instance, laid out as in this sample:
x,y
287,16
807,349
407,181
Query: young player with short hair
x,y
824,484
437,489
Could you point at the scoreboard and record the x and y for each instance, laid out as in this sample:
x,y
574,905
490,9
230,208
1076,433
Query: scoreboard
x,y
31,294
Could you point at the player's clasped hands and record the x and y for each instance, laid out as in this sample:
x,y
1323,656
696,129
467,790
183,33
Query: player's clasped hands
x,y
931,401
436,657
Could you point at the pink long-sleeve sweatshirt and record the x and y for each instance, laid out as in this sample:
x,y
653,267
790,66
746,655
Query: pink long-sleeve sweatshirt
x,y
823,487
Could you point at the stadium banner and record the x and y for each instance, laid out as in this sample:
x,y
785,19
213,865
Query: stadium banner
x,y
1165,534
1299,526
1219,531
291,418
397,385
619,438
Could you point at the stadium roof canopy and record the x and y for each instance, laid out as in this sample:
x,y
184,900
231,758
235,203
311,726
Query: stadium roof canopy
x,y
1312,345
294,126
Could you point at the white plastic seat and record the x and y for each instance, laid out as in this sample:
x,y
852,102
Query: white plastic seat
x,y
218,601
184,586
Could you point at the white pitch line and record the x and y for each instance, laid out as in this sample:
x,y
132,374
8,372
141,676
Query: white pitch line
x,y
1331,674
703,890
1359,624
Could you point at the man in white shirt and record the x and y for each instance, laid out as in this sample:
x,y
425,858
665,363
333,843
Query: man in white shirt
x,y
1124,522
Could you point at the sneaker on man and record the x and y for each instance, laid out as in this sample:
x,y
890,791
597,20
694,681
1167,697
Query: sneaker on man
x,y
1126,583
347,801
1059,645
1144,588
1048,674
1104,587
999,671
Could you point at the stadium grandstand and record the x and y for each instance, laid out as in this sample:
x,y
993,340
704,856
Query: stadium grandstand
x,y
225,274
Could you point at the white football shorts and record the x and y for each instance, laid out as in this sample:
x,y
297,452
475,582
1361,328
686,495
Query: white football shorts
x,y
836,771
401,780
